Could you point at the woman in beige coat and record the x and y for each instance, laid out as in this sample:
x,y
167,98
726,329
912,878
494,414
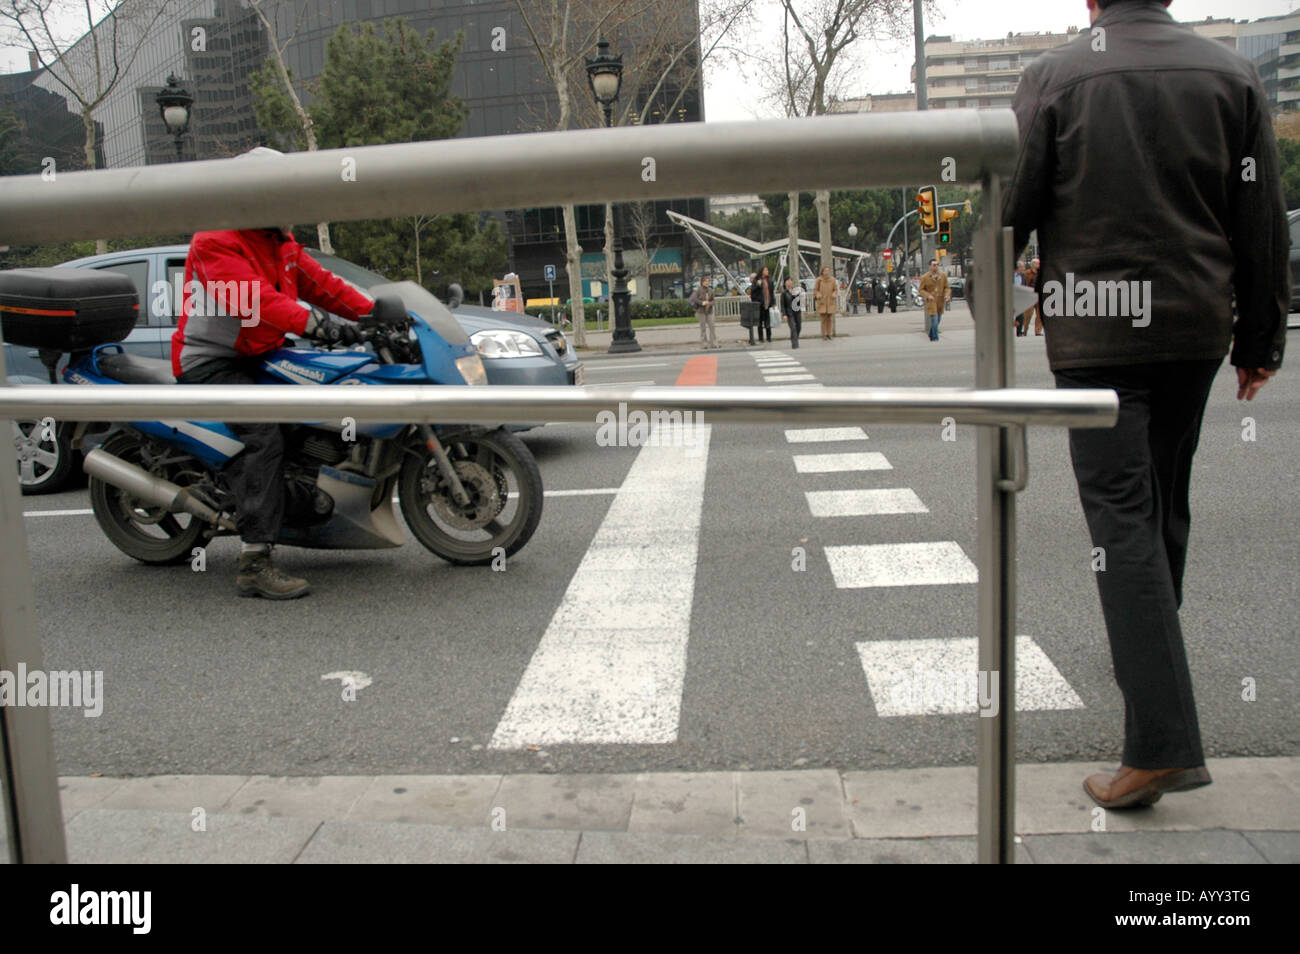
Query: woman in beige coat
x,y
825,295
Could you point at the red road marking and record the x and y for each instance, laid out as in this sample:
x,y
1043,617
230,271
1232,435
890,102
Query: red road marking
x,y
701,371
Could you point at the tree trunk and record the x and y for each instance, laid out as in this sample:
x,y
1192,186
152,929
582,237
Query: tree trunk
x,y
573,263
415,226
822,202
88,124
792,229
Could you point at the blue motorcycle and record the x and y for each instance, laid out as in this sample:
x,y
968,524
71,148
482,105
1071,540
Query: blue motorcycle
x,y
469,494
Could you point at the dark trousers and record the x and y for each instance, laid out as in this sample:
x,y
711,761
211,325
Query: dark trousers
x,y
256,474
1133,483
763,327
795,318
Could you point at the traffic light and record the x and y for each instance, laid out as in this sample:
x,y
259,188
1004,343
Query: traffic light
x,y
926,204
945,225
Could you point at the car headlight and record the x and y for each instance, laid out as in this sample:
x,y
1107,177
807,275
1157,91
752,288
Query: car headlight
x,y
502,343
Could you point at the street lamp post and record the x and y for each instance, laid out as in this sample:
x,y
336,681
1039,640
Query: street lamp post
x,y
605,74
853,275
174,102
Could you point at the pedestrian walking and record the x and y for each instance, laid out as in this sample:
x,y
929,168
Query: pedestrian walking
x,y
702,301
1017,279
824,294
936,294
1031,279
1088,124
878,296
894,287
761,291
792,308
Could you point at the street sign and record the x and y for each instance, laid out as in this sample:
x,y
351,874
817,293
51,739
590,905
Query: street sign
x,y
887,254
550,273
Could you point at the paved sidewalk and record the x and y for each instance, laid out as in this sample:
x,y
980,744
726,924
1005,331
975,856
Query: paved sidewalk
x,y
1251,814
685,338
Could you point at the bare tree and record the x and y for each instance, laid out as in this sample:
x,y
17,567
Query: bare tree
x,y
814,67
641,219
88,66
304,117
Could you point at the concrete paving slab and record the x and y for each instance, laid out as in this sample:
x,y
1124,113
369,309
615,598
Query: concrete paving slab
x,y
1278,847
603,847
175,793
1144,847
792,804
127,836
687,803
904,851
578,802
79,792
915,803
354,842
428,800
326,798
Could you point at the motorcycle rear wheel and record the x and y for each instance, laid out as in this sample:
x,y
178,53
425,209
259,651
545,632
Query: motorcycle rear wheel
x,y
499,473
142,531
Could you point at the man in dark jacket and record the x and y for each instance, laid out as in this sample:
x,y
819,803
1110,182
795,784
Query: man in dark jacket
x,y
241,299
1148,166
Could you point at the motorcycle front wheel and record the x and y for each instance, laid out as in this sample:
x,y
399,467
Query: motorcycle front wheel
x,y
140,530
504,485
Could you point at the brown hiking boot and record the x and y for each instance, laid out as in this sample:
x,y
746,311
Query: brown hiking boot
x,y
258,576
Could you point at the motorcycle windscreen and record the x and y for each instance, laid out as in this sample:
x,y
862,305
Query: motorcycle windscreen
x,y
419,301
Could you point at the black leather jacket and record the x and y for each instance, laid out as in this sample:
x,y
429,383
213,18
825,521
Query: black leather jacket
x,y
1147,155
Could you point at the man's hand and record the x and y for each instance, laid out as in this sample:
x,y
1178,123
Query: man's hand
x,y
1250,380
328,330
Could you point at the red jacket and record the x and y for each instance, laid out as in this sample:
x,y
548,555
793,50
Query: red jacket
x,y
241,295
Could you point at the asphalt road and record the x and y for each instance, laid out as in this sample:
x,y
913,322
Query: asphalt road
x,y
778,663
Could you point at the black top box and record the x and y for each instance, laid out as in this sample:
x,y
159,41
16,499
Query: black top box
x,y
66,309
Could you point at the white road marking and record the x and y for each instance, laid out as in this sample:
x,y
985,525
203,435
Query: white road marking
x,y
779,378
939,677
863,503
57,513
350,679
605,386
813,435
617,366
900,564
611,664
836,463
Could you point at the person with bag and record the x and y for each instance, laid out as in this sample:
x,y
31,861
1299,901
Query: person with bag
x,y
762,294
792,308
824,295
702,301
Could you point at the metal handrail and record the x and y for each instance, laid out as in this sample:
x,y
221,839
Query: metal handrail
x,y
539,405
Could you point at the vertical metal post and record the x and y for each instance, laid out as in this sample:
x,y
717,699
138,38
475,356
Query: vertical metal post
x,y
919,24
996,749
32,814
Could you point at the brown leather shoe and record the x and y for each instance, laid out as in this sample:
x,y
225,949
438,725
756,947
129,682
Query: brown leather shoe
x,y
1133,787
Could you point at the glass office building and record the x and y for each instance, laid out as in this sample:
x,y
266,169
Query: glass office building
x,y
214,46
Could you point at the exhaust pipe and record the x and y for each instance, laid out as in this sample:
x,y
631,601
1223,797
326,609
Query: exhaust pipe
x,y
150,489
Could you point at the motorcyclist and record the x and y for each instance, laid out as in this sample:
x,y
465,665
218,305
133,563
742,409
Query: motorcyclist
x,y
242,291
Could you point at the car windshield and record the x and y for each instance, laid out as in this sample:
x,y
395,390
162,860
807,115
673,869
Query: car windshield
x,y
354,274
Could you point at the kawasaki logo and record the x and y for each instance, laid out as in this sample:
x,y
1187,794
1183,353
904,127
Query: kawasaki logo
x,y
288,367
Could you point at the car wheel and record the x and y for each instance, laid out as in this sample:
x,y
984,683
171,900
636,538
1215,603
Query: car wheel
x,y
44,461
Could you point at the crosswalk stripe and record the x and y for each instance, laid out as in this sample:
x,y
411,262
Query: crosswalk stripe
x,y
900,564
864,503
611,664
837,463
939,677
780,378
814,435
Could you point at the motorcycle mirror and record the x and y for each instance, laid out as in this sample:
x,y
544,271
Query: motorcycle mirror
x,y
389,309
455,295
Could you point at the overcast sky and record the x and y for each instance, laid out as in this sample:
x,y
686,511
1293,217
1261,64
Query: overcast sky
x,y
730,95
